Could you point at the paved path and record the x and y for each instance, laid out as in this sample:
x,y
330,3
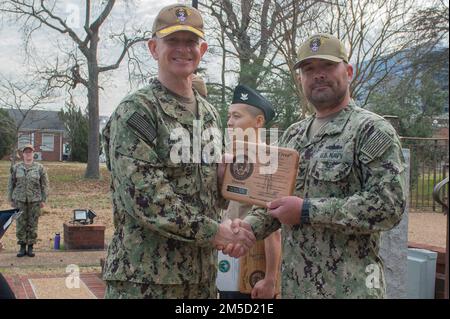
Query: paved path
x,y
20,272
22,286
53,259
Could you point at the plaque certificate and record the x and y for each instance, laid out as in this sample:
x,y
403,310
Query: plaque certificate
x,y
260,173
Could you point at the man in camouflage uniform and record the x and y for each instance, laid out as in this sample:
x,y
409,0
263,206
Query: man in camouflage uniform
x,y
166,213
350,186
28,191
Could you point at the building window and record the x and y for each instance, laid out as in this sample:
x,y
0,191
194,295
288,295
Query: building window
x,y
48,141
24,139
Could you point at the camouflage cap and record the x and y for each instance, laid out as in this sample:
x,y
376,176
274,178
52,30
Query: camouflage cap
x,y
178,17
322,46
30,146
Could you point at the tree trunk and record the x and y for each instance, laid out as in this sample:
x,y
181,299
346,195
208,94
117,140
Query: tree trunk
x,y
224,56
15,149
249,72
92,169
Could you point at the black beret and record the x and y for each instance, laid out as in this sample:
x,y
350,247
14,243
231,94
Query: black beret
x,y
245,95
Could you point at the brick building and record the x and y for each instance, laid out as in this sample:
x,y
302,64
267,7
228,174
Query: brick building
x,y
44,130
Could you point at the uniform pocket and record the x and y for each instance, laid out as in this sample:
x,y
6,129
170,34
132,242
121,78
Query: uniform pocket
x,y
35,176
182,170
331,171
184,178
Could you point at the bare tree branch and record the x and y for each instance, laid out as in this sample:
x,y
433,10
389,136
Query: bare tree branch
x,y
73,70
23,97
127,44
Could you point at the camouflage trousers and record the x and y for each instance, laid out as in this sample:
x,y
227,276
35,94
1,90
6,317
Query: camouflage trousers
x,y
27,223
132,290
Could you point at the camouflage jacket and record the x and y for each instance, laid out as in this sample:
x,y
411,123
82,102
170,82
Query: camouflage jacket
x,y
165,214
28,184
236,210
351,177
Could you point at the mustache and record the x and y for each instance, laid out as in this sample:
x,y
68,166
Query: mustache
x,y
320,83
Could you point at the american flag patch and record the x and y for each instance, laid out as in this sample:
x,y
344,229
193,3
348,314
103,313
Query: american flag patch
x,y
377,144
142,127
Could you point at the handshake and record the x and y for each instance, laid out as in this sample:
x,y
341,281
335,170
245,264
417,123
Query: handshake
x,y
234,238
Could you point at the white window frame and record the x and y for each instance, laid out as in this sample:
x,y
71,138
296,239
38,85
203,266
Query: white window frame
x,y
46,146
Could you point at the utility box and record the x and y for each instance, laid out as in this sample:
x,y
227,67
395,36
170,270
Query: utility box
x,y
421,273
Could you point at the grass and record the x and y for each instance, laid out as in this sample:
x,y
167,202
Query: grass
x,y
68,187
422,193
68,190
100,201
66,178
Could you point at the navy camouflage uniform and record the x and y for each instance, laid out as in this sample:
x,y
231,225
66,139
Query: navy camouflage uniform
x,y
165,214
28,188
352,180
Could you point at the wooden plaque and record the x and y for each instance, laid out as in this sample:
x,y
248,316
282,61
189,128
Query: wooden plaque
x,y
260,173
253,268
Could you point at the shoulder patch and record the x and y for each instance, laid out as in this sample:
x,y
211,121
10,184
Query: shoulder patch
x,y
377,144
142,127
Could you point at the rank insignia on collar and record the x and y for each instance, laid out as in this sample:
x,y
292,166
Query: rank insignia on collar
x,y
244,96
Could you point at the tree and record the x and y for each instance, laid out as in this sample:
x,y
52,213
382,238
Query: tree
x,y
7,133
417,91
415,102
84,70
429,28
282,91
376,33
290,33
217,92
430,25
251,33
76,124
23,97
263,36
248,26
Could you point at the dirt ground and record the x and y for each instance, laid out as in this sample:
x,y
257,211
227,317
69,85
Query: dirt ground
x,y
68,190
51,222
427,228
